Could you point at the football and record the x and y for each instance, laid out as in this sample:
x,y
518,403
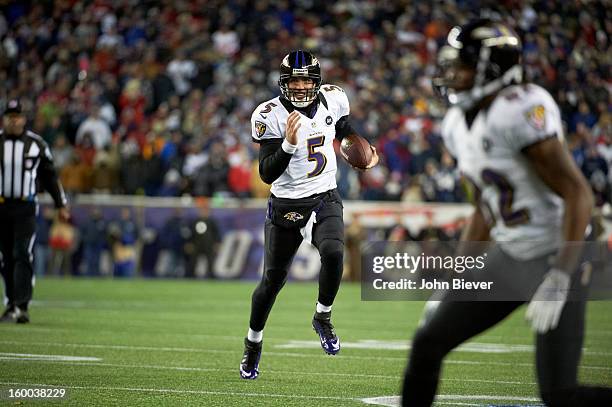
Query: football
x,y
356,151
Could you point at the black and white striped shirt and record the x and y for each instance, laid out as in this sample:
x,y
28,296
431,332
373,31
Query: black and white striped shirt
x,y
25,162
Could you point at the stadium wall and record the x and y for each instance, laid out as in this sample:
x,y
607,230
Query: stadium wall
x,y
240,252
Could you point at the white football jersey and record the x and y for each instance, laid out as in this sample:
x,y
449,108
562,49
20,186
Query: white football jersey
x,y
312,168
526,215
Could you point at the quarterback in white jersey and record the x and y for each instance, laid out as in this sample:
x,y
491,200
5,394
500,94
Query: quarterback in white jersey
x,y
530,198
312,169
296,132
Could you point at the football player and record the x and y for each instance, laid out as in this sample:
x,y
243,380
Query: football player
x,y
296,131
531,199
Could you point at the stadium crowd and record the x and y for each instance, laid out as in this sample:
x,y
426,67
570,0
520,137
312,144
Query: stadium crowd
x,y
155,97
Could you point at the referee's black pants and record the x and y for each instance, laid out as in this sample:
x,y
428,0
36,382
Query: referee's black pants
x,y
17,235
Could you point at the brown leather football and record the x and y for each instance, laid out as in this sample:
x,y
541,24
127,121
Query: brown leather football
x,y
356,151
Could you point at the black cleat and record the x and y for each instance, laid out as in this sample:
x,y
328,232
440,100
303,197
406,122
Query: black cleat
x,y
321,322
249,366
21,316
8,315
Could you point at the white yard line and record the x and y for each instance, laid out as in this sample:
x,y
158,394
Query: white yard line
x,y
403,345
453,399
48,358
276,372
385,401
370,344
393,401
177,391
374,344
283,354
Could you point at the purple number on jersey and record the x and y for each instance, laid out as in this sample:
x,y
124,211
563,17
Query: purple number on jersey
x,y
316,156
506,198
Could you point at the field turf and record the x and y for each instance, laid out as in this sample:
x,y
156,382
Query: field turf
x,y
153,342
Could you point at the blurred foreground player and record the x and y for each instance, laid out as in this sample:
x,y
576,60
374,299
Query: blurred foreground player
x,y
531,199
25,161
296,132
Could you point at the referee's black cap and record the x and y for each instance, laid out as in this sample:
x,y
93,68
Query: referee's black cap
x,y
13,106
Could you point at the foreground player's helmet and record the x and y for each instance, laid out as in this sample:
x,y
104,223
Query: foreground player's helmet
x,y
479,59
300,64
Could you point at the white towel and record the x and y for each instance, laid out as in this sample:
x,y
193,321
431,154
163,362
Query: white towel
x,y
306,231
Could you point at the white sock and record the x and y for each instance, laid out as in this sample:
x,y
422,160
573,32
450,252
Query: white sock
x,y
323,308
254,336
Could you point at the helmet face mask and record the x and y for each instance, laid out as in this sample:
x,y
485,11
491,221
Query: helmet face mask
x,y
479,59
451,74
300,64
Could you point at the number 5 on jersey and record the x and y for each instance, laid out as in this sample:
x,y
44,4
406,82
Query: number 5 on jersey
x,y
316,156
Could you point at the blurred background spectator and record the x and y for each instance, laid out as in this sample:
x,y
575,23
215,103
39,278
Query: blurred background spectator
x,y
203,243
62,243
172,237
123,236
42,249
94,237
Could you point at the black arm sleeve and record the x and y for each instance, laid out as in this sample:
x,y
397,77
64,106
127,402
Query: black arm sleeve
x,y
273,160
48,178
343,128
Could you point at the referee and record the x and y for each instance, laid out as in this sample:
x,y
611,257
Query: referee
x,y
25,162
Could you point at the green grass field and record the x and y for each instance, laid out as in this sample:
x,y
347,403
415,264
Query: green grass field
x,y
180,342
